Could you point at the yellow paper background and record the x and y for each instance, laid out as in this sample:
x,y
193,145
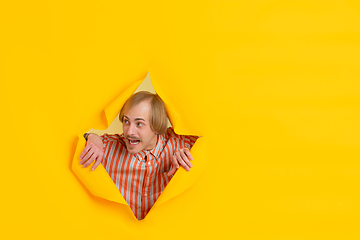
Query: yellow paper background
x,y
273,86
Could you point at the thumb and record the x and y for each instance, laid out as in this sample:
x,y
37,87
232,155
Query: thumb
x,y
171,172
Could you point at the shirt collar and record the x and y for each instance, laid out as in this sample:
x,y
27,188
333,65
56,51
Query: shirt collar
x,y
159,146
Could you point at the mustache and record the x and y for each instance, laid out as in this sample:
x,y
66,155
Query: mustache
x,y
132,138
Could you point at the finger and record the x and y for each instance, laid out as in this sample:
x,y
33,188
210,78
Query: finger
x,y
185,159
86,149
98,161
188,154
171,172
181,161
96,164
91,159
174,166
101,155
87,155
175,163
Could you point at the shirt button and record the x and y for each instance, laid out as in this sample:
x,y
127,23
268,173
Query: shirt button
x,y
145,194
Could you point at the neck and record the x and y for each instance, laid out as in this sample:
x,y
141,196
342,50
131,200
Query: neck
x,y
153,145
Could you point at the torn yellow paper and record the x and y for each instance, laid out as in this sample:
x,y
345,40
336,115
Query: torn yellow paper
x,y
113,109
97,182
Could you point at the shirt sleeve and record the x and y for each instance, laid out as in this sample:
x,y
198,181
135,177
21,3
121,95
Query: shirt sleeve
x,y
106,138
183,140
108,142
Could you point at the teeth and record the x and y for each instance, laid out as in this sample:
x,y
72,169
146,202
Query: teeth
x,y
134,141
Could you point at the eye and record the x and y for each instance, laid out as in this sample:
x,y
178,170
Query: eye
x,y
139,124
126,121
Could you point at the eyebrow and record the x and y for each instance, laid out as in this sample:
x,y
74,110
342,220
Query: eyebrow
x,y
136,119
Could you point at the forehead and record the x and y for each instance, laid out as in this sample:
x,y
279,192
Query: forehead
x,y
139,110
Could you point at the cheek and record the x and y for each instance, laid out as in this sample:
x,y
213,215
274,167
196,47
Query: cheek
x,y
145,135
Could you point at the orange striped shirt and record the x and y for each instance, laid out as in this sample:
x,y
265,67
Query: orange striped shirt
x,y
141,177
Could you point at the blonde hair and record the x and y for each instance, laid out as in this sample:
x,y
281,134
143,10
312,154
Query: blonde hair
x,y
158,116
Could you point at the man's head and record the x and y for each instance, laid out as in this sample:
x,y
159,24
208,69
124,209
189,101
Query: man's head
x,y
144,117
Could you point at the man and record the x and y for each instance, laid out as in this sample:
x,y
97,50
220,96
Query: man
x,y
142,160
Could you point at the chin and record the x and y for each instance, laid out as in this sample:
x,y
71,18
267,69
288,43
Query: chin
x,y
133,150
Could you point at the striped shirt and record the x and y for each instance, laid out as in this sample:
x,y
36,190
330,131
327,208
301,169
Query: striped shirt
x,y
141,177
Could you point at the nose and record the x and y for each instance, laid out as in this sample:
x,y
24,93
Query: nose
x,y
131,130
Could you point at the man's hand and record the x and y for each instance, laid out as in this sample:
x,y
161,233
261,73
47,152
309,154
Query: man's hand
x,y
182,158
92,152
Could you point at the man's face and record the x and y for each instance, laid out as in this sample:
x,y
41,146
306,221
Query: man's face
x,y
136,127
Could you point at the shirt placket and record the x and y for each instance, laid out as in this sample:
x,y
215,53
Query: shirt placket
x,y
145,195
